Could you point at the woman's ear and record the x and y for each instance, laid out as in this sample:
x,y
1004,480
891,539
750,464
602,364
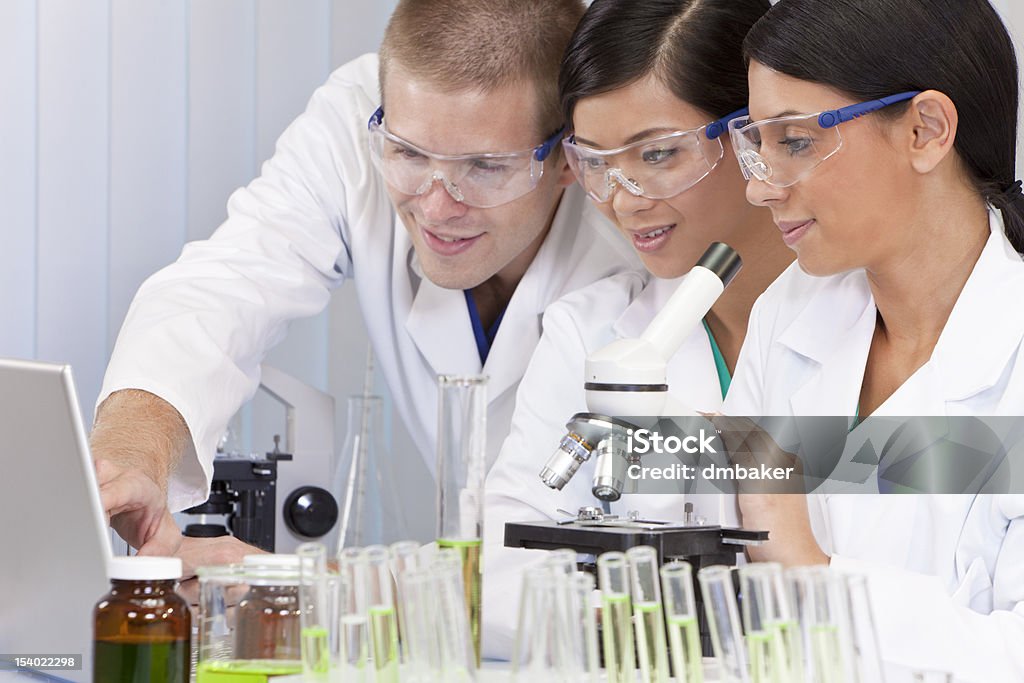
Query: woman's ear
x,y
933,119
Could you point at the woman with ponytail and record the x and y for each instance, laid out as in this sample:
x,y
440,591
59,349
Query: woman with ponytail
x,y
881,136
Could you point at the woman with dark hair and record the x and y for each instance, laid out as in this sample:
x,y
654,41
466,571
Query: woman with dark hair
x,y
882,136
647,89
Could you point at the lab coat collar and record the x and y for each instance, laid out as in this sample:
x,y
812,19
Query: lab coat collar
x,y
520,329
439,325
834,330
987,322
439,320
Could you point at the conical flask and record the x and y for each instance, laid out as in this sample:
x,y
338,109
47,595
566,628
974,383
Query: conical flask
x,y
370,512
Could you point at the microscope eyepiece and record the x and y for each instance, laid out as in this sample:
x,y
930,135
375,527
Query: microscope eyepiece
x,y
722,260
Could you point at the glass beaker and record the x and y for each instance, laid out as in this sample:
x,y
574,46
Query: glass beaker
x,y
461,467
249,620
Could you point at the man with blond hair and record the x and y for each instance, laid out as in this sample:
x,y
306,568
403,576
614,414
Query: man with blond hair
x,y
435,180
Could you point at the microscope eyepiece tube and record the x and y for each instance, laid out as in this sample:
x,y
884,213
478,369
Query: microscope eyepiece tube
x,y
722,260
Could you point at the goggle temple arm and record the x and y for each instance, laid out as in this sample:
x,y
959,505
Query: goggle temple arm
x,y
715,129
831,119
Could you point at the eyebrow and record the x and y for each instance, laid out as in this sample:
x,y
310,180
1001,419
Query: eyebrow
x,y
650,132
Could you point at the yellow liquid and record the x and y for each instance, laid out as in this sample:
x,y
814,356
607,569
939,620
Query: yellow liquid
x,y
316,654
472,579
617,634
245,670
684,637
826,655
384,641
650,642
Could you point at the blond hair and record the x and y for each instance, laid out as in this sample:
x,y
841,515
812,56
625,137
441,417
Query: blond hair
x,y
484,45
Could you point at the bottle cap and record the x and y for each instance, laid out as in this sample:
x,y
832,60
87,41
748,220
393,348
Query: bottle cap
x,y
144,568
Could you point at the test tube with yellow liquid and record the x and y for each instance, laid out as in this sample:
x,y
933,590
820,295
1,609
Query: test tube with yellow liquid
x,y
461,467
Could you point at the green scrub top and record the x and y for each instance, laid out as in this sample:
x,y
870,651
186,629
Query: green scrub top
x,y
724,379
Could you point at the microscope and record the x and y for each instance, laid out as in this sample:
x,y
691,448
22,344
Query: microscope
x,y
628,378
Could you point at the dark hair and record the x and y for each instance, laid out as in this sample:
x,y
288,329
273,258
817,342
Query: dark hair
x,y
874,48
693,46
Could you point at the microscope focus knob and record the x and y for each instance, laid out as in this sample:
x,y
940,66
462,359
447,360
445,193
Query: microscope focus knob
x,y
310,511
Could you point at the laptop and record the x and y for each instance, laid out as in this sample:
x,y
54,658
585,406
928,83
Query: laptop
x,y
54,541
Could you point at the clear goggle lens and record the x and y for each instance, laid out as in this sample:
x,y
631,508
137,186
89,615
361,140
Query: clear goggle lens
x,y
783,151
478,180
656,168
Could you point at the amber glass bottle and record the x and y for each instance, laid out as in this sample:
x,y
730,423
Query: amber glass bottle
x,y
142,627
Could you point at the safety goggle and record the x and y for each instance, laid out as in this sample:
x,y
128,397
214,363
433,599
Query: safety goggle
x,y
479,180
656,168
784,150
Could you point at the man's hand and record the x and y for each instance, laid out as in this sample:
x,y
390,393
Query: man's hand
x,y
137,440
137,509
203,552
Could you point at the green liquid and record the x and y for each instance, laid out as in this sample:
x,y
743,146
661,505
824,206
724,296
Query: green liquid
x,y
472,578
684,637
384,640
119,661
792,651
617,634
650,642
316,654
826,655
245,670
763,658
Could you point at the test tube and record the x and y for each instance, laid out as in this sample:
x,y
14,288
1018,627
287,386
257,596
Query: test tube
x,y
419,614
314,612
724,622
827,658
647,611
867,656
536,649
563,561
461,466
767,624
381,613
681,618
404,557
353,622
584,653
458,658
616,617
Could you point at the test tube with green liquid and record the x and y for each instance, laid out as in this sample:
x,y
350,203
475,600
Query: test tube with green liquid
x,y
724,623
616,617
681,619
461,467
314,610
648,614
770,630
380,612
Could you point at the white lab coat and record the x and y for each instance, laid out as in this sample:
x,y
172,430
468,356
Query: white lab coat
x,y
552,392
946,572
317,216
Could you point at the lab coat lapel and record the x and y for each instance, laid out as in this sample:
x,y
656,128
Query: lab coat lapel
x,y
540,286
834,334
440,327
982,332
